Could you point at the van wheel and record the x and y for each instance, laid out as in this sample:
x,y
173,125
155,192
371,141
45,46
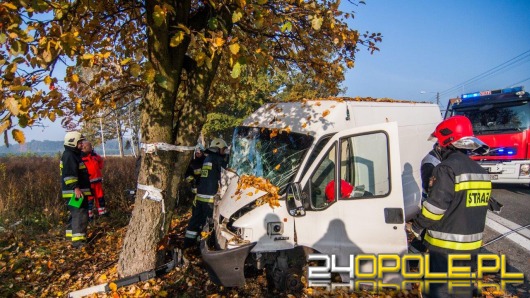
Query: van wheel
x,y
293,281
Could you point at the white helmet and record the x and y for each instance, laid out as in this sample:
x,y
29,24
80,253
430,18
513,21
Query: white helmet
x,y
218,143
72,138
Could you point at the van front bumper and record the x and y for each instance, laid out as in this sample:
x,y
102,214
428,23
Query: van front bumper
x,y
226,267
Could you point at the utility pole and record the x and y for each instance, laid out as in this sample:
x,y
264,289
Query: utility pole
x,y
438,98
101,132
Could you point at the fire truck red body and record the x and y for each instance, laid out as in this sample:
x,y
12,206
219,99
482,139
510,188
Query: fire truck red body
x,y
500,119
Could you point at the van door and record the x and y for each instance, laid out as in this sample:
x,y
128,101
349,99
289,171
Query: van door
x,y
368,219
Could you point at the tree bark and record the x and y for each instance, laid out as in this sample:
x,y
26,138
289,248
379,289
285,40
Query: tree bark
x,y
168,117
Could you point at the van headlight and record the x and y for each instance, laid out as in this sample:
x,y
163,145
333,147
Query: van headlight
x,y
524,170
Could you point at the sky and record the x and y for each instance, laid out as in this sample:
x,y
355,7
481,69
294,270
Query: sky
x,y
450,46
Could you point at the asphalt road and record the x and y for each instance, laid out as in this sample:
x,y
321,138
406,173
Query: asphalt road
x,y
516,246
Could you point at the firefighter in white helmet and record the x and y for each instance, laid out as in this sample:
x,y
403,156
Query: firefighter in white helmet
x,y
207,188
75,185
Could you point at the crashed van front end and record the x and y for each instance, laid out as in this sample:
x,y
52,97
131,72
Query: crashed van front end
x,y
249,217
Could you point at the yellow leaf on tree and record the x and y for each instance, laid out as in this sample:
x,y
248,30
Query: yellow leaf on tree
x,y
51,115
177,39
234,48
125,61
78,108
18,136
113,287
10,6
277,167
316,23
218,42
159,15
12,105
75,78
87,56
4,126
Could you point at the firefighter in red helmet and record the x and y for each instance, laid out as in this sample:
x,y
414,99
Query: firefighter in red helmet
x,y
454,214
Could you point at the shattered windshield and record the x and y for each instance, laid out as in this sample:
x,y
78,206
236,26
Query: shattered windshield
x,y
496,118
270,153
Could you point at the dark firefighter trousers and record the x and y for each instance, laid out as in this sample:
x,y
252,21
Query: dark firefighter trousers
x,y
438,263
199,214
76,228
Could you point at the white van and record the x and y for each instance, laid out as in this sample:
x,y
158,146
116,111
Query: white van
x,y
375,146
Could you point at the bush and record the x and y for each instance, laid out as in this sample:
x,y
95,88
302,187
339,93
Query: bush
x,y
30,190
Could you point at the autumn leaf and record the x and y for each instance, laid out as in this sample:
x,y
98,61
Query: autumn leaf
x,y
87,56
234,48
325,113
177,39
9,6
159,15
4,125
18,136
218,42
316,23
236,16
113,287
236,70
75,78
125,61
275,150
288,26
277,167
12,105
48,80
51,116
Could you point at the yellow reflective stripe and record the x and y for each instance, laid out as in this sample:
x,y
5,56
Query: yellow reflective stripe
x,y
206,200
431,215
70,181
78,238
453,245
472,185
68,233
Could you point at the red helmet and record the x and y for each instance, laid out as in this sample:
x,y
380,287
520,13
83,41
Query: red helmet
x,y
345,190
457,131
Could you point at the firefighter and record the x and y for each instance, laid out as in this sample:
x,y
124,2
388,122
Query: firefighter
x,y
428,163
94,164
193,173
454,213
75,185
206,190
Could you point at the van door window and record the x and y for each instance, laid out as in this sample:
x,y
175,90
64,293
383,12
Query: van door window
x,y
365,165
323,175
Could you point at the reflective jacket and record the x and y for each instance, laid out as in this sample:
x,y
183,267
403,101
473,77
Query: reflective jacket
x,y
210,177
94,164
73,173
454,214
428,163
193,173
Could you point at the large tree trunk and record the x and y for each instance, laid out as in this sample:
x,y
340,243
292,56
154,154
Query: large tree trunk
x,y
168,117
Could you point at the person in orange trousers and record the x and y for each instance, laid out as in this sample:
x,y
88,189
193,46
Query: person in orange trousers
x,y
94,164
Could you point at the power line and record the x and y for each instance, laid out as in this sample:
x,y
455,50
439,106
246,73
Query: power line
x,y
515,84
490,72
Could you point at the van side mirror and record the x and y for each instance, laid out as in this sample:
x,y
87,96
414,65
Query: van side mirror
x,y
294,203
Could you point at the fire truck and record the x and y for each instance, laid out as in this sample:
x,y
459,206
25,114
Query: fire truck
x,y
500,119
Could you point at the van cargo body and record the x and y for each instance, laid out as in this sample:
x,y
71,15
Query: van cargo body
x,y
302,148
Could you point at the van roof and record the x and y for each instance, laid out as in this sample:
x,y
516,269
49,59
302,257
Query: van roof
x,y
329,115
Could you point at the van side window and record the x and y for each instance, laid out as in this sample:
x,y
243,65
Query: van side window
x,y
365,164
320,179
